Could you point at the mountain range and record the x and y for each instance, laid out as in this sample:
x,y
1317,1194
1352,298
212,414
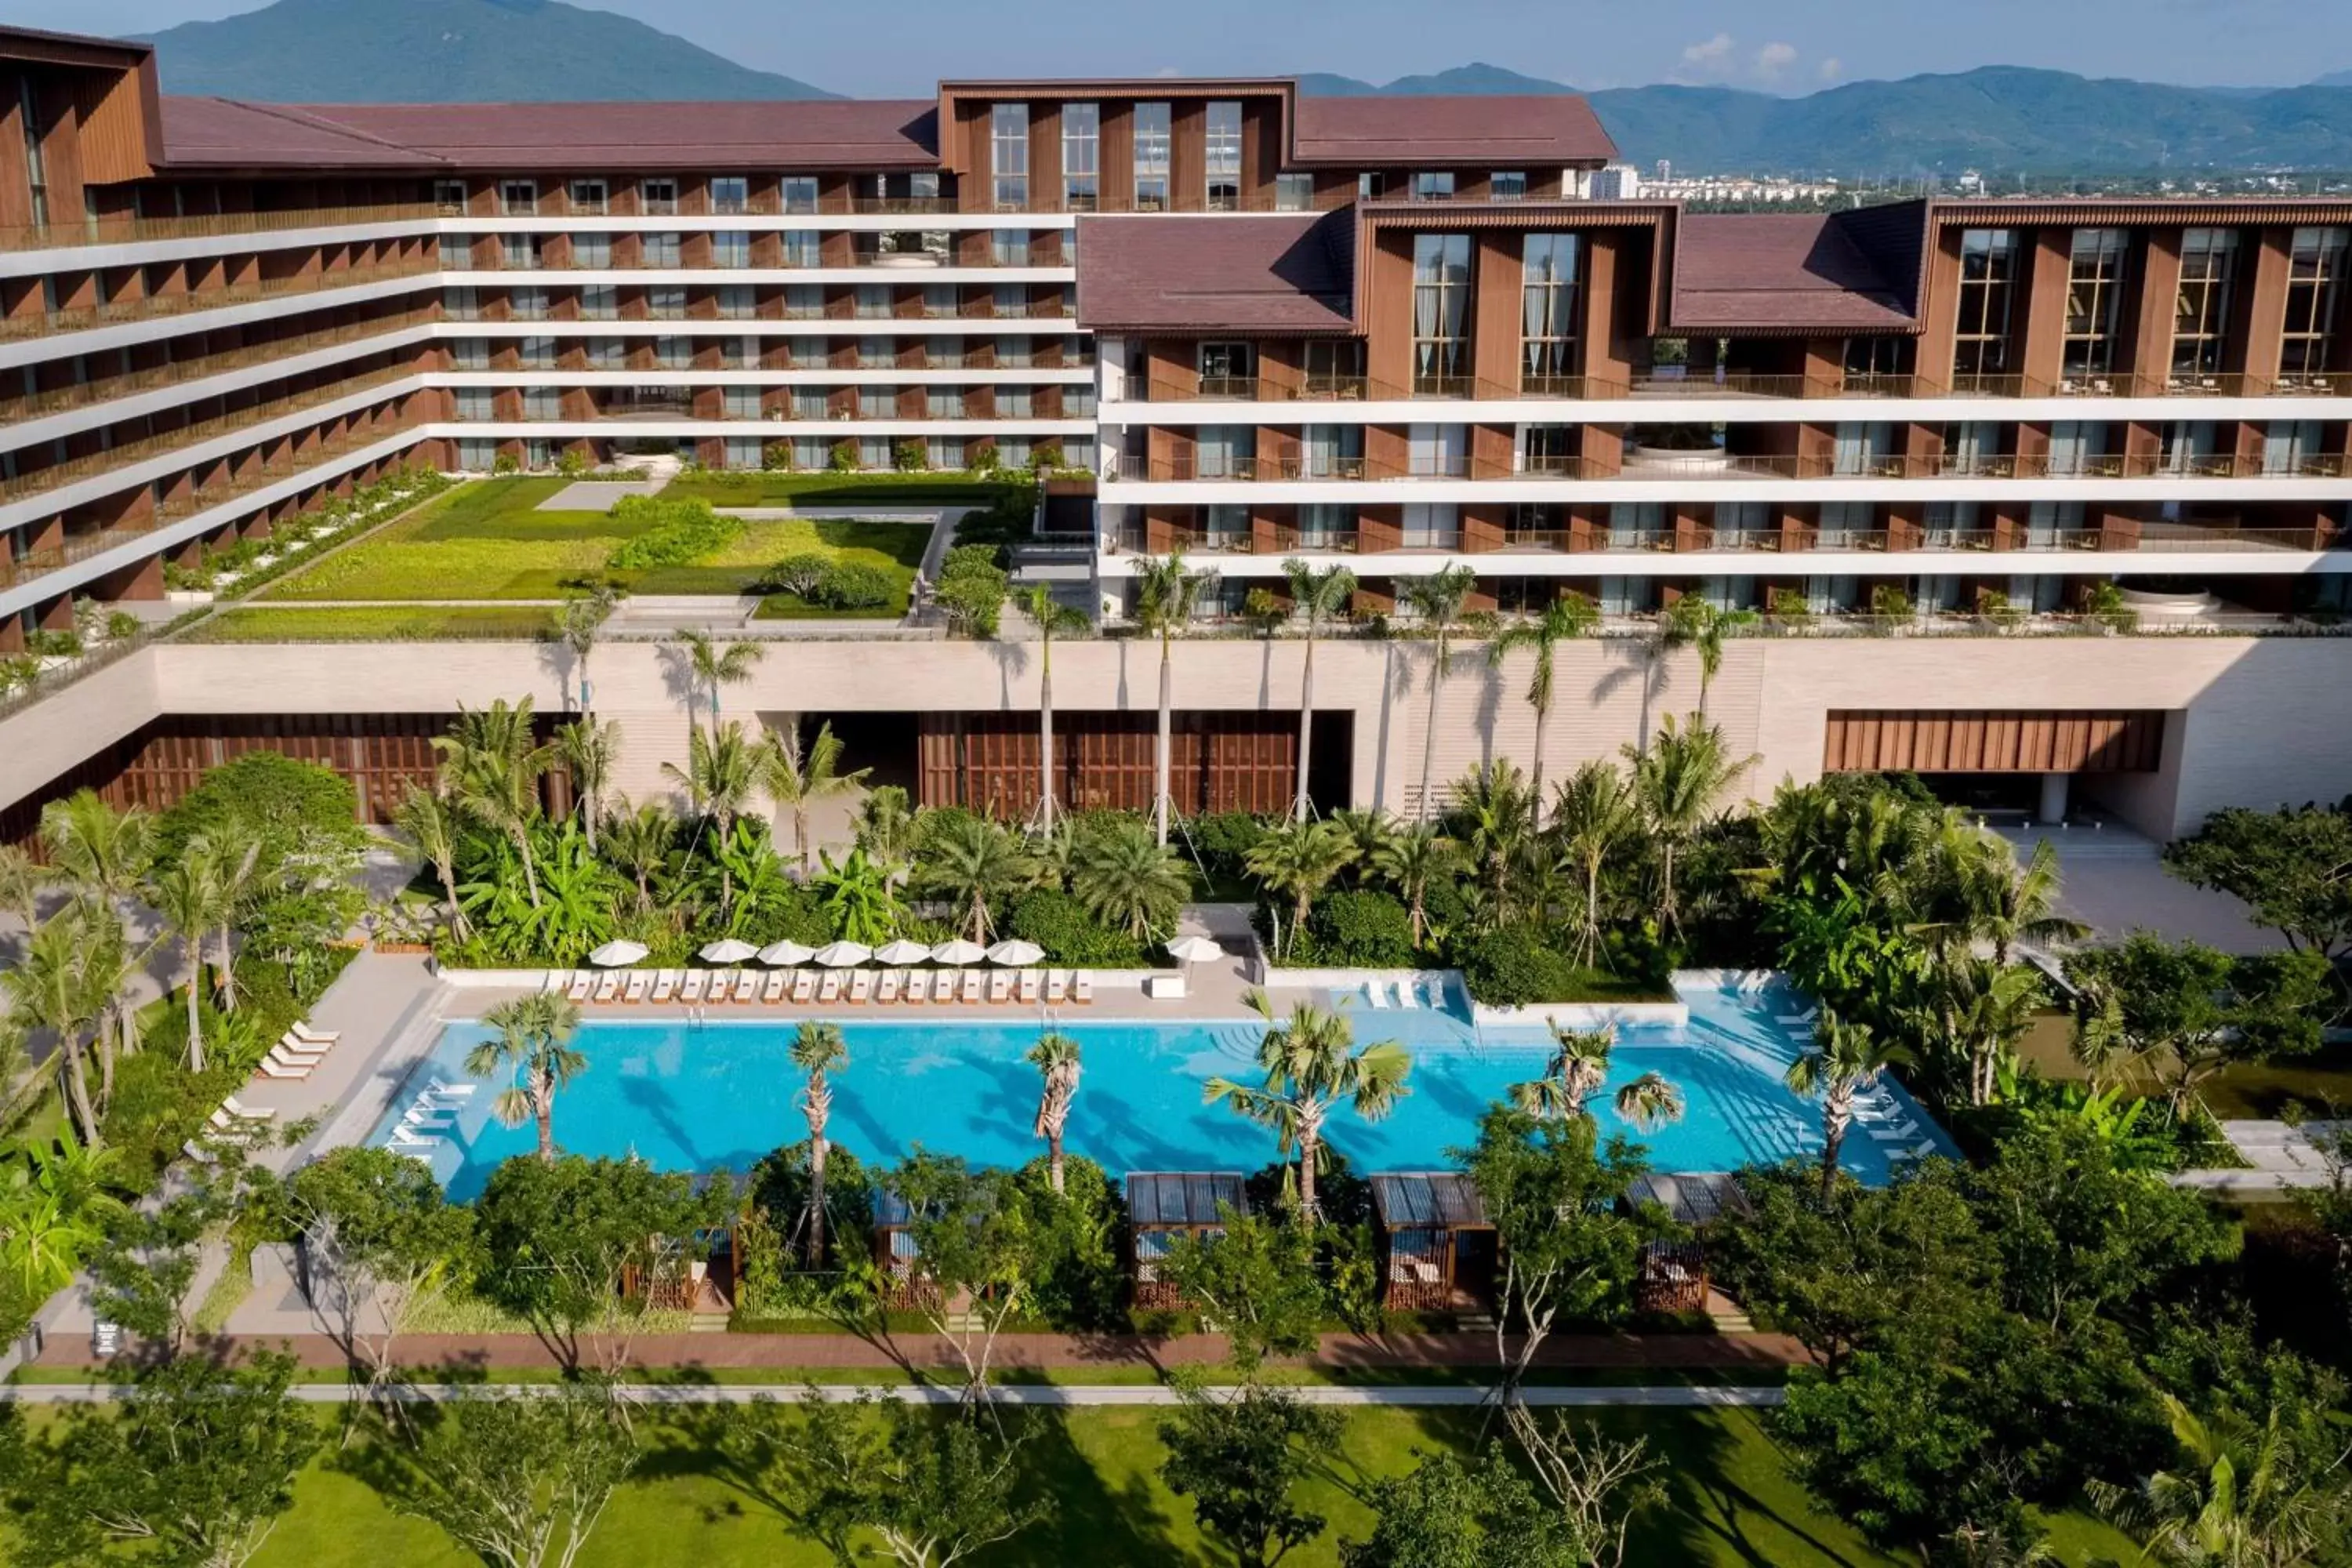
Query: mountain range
x,y
2001,120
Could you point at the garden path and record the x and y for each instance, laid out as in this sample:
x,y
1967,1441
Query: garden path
x,y
1458,1396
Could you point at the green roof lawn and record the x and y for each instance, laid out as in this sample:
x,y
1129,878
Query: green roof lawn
x,y
833,490
374,623
487,540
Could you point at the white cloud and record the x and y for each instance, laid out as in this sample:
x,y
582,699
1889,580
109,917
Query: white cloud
x,y
1831,69
1774,58
1711,58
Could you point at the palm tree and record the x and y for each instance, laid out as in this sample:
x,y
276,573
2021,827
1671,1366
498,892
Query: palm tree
x,y
238,875
49,988
1056,1057
2251,1496
639,842
194,898
1695,623
1594,814
1300,859
1437,600
426,817
584,615
1979,1011
1317,596
709,667
2019,904
1494,820
54,1214
975,863
491,761
818,1049
1844,1059
1370,829
101,852
1410,860
1678,785
112,969
1311,1064
21,878
533,1042
885,829
588,751
1577,1071
798,781
721,775
1165,596
1126,879
1650,1101
1052,618
1570,616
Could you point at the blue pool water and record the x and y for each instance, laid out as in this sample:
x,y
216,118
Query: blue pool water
x,y
721,1095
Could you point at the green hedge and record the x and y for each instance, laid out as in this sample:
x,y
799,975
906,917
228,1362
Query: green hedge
x,y
1057,922
1518,966
676,532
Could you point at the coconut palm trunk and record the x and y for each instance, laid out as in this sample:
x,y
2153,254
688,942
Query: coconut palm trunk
x,y
818,1105
1159,762
1837,1114
195,1013
227,970
1046,737
1306,720
71,1048
1429,739
1310,1151
542,1105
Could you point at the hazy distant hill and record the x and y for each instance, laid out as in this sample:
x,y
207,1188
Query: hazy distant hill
x,y
2003,118
448,51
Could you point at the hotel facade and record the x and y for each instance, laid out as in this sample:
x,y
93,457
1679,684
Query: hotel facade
x,y
2046,499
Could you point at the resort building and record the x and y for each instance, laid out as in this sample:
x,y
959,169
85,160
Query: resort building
x,y
2046,498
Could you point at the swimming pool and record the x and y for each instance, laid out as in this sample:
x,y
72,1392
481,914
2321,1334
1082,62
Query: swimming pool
x,y
721,1095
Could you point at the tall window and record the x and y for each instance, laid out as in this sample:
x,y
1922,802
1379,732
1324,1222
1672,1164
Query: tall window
x,y
1081,156
1988,271
1547,311
588,196
1369,186
730,249
591,250
1223,158
1441,310
1507,185
2094,291
1433,186
730,192
1008,155
1010,247
2312,301
659,196
1226,370
1294,193
2200,309
799,193
36,163
449,196
519,196
803,248
1151,157
661,249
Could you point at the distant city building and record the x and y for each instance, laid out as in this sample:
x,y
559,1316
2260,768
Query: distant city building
x,y
1617,183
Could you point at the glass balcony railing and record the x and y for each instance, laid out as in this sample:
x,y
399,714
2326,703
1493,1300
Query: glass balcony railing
x,y
91,393
157,307
1680,466
2122,536
204,225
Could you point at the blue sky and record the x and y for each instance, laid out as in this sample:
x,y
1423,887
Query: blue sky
x,y
900,47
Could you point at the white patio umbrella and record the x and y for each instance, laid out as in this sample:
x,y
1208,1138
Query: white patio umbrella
x,y
1015,955
1194,950
616,954
902,951
958,951
844,954
728,951
779,954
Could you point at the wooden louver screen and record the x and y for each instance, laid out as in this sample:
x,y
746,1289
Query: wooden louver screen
x,y
2015,741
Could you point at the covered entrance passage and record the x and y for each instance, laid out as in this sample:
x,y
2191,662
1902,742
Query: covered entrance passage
x,y
1988,746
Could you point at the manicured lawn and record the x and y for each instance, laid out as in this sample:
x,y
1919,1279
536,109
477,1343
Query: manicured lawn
x,y
833,490
2262,1090
374,622
489,541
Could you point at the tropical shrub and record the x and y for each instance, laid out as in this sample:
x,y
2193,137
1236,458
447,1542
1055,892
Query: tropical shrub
x,y
676,532
1059,923
1513,966
1362,929
799,573
971,589
854,586
1222,840
1078,1283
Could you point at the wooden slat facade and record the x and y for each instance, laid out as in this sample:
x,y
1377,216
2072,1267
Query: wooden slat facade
x,y
1218,762
1994,742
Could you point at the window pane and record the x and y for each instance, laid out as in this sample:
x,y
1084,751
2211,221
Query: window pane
x,y
1223,156
1008,153
1151,139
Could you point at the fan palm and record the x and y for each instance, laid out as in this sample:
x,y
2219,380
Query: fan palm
x,y
1316,598
2250,1497
1056,1057
721,775
639,842
1842,1060
818,1050
1564,619
1411,860
1052,618
1312,1065
533,1043
1437,600
1300,859
584,615
1370,829
193,898
975,865
800,780
100,852
588,751
1594,814
1679,784
492,761
709,666
1127,879
1166,594
426,817
1650,1101
1577,1071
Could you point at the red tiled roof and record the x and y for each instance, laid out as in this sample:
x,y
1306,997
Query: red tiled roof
x,y
1782,270
1505,130
824,133
1287,272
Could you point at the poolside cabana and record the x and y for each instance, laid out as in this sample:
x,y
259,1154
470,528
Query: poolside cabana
x,y
1164,1204
1674,1277
1437,1244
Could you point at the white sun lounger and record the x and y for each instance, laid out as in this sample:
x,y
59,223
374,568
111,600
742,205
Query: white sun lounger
x,y
973,987
1057,985
690,989
804,985
1376,992
443,1086
1082,986
556,980
306,1050
227,1129
919,986
199,1153
236,1106
943,985
608,986
861,985
829,988
664,985
1000,987
772,989
286,1058
582,983
317,1037
639,981
893,982
1033,985
746,984
271,1068
402,1138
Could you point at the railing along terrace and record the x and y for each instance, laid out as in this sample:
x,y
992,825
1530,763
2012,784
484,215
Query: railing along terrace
x,y
1659,467
156,305
65,399
203,226
1661,384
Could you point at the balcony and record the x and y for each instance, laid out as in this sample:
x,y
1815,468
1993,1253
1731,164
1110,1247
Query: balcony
x,y
89,394
209,225
1711,466
157,307
1658,385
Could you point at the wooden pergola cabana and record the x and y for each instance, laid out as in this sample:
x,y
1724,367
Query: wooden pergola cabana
x,y
1437,1244
1674,1277
1164,1204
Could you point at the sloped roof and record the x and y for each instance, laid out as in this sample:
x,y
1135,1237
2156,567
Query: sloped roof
x,y
227,133
1783,271
1505,130
1183,1198
1428,1200
1213,272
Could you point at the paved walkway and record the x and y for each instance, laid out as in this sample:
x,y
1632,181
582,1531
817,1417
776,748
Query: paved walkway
x,y
2277,1157
2114,881
1666,1397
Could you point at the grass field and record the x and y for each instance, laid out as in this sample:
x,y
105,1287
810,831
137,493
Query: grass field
x,y
1730,1501
832,490
374,622
489,541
